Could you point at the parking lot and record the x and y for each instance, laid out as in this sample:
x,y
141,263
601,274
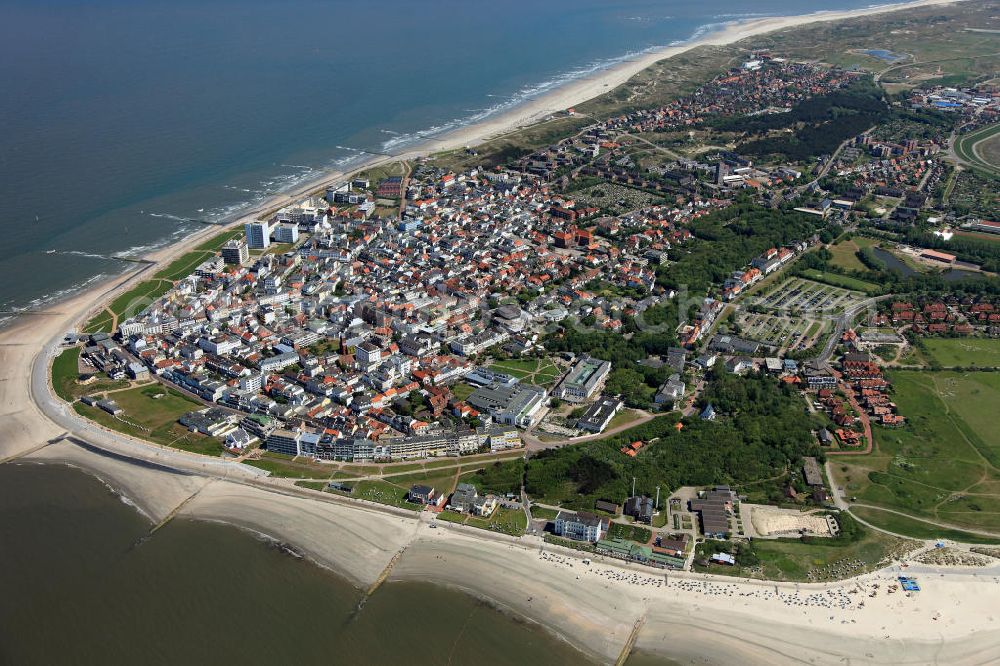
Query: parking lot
x,y
808,297
795,314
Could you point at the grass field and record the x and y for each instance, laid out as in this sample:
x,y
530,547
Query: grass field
x,y
128,304
840,280
462,390
287,467
629,532
534,370
384,492
963,352
154,419
790,559
65,370
623,417
214,243
443,481
976,235
312,485
183,265
916,528
944,464
505,521
137,298
101,322
819,559
542,512
845,253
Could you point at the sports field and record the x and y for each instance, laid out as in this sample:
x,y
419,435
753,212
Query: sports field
x,y
981,150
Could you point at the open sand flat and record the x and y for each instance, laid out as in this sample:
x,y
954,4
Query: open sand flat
x,y
772,520
354,541
22,425
713,619
594,618
156,491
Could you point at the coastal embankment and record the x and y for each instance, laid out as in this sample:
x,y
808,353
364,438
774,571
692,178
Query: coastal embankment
x,y
597,607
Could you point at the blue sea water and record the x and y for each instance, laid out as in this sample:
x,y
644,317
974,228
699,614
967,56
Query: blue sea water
x,y
126,123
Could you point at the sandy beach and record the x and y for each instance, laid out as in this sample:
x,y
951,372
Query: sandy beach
x,y
598,608
714,619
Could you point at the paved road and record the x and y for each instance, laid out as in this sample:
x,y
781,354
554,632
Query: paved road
x,y
532,443
844,505
843,322
76,426
866,422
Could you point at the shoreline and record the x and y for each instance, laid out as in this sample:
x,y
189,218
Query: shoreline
x,y
527,112
689,617
681,620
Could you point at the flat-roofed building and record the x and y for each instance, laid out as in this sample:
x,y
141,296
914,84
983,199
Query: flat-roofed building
x,y
714,508
599,415
258,234
235,252
584,380
284,441
514,405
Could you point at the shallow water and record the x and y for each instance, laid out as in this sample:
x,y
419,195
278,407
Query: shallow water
x,y
77,589
128,122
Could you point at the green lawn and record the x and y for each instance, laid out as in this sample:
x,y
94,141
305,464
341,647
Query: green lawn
x,y
452,516
819,558
629,532
462,390
966,144
533,370
838,280
845,253
384,493
916,528
64,373
945,463
312,485
155,404
214,243
623,417
287,467
542,512
158,416
791,559
506,521
99,323
138,298
183,266
160,430
442,481
964,352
